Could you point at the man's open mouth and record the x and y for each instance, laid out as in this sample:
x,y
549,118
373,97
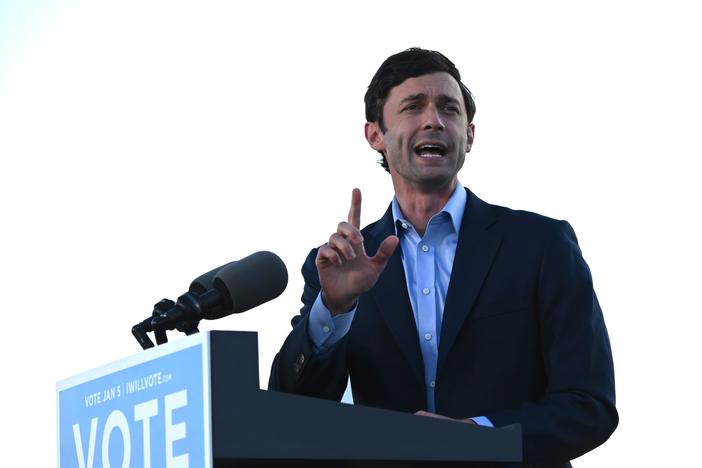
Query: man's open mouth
x,y
430,150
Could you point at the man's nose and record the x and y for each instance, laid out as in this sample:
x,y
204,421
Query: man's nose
x,y
432,119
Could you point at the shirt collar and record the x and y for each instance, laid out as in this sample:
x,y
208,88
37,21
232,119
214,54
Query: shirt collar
x,y
454,208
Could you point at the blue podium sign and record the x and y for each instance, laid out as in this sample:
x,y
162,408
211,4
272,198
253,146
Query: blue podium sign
x,y
149,410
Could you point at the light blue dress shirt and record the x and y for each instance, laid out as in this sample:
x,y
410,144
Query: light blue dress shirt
x,y
427,262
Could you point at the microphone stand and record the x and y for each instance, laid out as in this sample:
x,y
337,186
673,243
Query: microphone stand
x,y
161,308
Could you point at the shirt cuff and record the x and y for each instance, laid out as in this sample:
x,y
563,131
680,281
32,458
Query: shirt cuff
x,y
482,421
325,329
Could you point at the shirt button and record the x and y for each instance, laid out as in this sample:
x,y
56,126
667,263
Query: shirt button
x,y
425,291
427,336
404,225
432,384
425,248
326,329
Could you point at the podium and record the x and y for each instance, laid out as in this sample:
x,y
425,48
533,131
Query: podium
x,y
196,402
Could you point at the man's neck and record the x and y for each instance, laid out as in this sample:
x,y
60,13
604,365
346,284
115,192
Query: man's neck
x,y
418,206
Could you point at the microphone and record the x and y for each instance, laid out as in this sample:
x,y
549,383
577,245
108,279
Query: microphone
x,y
205,281
229,289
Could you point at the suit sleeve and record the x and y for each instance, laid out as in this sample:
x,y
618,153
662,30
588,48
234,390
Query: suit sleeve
x,y
297,368
577,412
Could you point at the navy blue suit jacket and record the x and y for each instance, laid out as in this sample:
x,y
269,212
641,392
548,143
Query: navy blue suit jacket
x,y
522,339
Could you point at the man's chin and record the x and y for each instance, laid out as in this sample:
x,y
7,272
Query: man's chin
x,y
434,181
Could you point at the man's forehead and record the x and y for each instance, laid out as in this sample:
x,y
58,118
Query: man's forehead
x,y
430,84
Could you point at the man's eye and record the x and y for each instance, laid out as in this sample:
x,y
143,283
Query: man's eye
x,y
454,109
411,107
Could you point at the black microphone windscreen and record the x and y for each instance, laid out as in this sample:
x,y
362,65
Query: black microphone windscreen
x,y
250,282
205,282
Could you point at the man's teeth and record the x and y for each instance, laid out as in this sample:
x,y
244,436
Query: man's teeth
x,y
430,151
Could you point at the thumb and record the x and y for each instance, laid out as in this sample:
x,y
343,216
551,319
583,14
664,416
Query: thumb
x,y
385,251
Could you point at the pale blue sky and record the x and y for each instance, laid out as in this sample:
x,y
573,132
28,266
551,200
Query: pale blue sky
x,y
21,23
118,119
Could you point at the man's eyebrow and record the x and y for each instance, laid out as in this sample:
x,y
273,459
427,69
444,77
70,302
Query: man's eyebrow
x,y
447,98
420,96
413,97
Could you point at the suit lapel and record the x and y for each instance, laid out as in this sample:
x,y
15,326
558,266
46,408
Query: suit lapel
x,y
392,299
478,242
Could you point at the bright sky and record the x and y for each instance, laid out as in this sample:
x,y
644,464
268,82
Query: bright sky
x,y
145,142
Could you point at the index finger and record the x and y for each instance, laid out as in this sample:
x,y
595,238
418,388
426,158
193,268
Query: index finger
x,y
355,210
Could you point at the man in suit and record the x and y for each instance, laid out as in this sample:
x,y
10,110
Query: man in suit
x,y
483,314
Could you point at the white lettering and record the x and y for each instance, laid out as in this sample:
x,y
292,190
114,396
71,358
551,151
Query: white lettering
x,y
82,463
143,383
144,412
116,420
175,431
109,394
92,399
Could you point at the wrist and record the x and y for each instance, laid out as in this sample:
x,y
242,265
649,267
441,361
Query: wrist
x,y
338,307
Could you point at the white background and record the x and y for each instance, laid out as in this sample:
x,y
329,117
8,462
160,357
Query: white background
x,y
143,143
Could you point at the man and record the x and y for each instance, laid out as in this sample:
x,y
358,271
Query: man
x,y
483,314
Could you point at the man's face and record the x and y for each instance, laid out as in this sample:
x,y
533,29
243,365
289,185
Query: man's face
x,y
427,132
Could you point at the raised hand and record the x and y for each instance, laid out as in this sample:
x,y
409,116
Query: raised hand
x,y
345,271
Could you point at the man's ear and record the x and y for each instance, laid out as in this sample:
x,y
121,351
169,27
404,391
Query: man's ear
x,y
374,136
471,135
